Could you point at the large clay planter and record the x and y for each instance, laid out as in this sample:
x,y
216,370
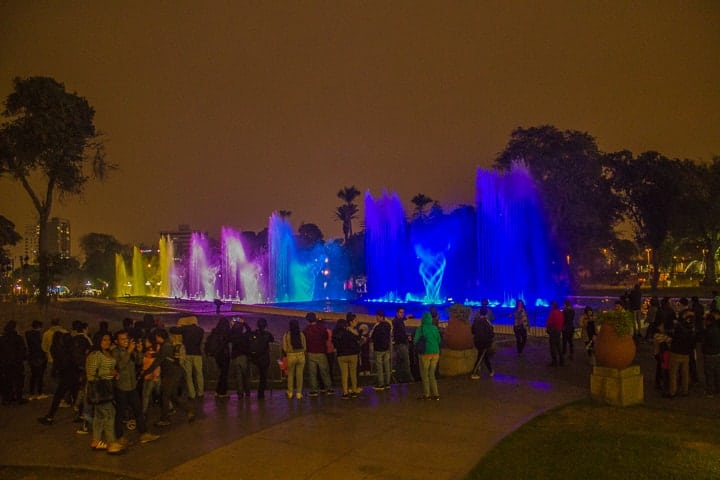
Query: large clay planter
x,y
458,335
612,351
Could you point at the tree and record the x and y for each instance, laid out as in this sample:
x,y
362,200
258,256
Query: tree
x,y
100,250
8,236
50,136
575,192
347,212
649,187
700,212
309,235
420,201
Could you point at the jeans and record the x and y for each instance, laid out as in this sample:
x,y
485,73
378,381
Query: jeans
x,y
37,374
193,366
555,348
428,363
296,371
223,365
348,368
567,341
712,374
170,379
69,381
241,372
123,400
402,363
520,338
382,365
149,387
484,357
104,422
317,361
679,364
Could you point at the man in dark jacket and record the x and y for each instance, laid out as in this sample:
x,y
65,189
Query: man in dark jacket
x,y
381,339
13,354
710,339
483,336
401,347
259,351
683,342
568,329
239,355
37,359
192,337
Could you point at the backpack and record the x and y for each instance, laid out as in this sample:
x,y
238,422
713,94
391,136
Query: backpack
x,y
61,349
213,343
257,344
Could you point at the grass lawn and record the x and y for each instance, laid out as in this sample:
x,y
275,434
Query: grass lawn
x,y
587,440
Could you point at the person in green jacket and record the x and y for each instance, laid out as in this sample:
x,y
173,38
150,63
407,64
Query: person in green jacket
x,y
428,334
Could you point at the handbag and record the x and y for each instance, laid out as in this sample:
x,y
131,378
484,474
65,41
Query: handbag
x,y
99,391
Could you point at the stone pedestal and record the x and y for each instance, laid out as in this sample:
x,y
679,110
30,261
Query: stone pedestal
x,y
620,387
457,362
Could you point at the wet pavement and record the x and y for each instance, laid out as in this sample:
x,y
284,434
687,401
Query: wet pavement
x,y
388,434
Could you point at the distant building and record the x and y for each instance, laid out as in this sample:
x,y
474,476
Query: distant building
x,y
58,239
181,240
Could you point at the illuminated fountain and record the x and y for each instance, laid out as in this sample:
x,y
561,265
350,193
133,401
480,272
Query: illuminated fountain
x,y
123,285
239,277
138,273
500,250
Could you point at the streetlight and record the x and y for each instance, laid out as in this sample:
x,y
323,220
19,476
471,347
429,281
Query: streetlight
x,y
648,251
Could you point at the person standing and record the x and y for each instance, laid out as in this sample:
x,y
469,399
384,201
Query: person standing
x,y
553,327
429,357
520,326
568,329
483,336
710,344
100,365
683,342
381,339
192,338
294,346
347,344
222,356
316,336
47,340
37,360
128,357
13,354
239,356
635,306
171,374
401,347
259,349
587,326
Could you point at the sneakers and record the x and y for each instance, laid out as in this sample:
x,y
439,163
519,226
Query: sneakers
x,y
313,393
45,420
41,396
436,397
345,396
115,448
289,395
83,430
475,376
299,396
354,394
329,391
148,437
492,373
99,445
378,388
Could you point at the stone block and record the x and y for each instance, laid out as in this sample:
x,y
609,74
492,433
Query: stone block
x,y
620,387
457,362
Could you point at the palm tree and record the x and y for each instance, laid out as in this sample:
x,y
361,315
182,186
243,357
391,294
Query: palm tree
x,y
348,194
346,213
421,201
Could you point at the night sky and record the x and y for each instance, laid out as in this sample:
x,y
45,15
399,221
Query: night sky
x,y
218,113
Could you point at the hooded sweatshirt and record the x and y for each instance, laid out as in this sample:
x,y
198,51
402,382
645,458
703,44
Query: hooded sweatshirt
x,y
431,334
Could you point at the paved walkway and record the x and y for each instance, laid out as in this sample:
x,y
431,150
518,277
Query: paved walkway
x,y
380,435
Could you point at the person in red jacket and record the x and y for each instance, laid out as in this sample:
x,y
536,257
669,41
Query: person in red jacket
x,y
554,326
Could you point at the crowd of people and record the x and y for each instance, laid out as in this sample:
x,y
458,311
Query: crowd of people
x,y
117,381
